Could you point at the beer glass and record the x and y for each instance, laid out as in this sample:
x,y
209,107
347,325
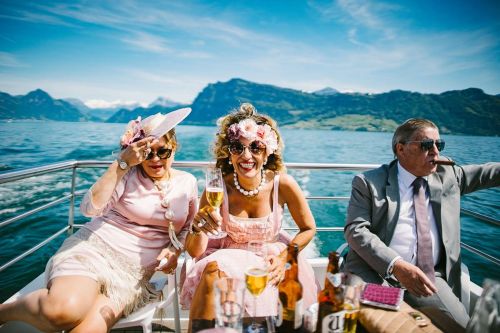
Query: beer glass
x,y
256,277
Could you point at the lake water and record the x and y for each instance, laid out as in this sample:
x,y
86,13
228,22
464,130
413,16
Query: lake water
x,y
27,144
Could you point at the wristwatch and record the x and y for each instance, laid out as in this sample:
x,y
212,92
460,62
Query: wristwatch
x,y
122,164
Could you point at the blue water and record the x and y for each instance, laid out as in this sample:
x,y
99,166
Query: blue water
x,y
31,143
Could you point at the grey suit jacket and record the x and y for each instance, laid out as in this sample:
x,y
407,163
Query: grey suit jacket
x,y
373,213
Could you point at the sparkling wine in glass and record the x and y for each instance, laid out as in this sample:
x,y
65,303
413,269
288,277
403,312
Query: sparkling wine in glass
x,y
214,191
256,277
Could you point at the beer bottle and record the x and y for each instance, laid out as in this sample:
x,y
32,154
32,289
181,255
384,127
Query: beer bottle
x,y
331,299
290,312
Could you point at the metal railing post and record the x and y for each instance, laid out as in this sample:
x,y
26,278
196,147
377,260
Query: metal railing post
x,y
71,213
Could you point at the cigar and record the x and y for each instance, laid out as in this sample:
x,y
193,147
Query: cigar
x,y
444,162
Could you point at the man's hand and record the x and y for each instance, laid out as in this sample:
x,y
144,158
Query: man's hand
x,y
413,279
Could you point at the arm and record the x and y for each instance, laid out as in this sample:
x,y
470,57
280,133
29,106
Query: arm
x,y
365,214
197,241
293,197
361,221
103,189
476,177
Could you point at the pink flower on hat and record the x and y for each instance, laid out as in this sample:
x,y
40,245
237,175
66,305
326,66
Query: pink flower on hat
x,y
133,133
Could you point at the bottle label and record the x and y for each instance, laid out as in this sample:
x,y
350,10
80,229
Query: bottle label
x,y
279,318
333,323
299,314
335,279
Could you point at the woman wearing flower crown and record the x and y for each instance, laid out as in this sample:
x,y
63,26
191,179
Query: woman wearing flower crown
x,y
141,211
248,150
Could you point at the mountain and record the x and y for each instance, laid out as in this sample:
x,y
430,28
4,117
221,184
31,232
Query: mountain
x,y
38,104
468,111
326,91
165,102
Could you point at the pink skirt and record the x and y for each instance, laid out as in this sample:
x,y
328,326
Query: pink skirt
x,y
233,261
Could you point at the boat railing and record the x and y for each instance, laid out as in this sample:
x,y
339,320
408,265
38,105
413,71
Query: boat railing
x,y
75,165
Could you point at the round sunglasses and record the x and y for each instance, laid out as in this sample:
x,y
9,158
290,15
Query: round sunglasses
x,y
255,147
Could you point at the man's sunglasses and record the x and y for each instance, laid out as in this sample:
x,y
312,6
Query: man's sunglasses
x,y
237,148
162,153
428,144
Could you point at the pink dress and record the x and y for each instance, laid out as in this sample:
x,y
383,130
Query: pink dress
x,y
119,246
232,257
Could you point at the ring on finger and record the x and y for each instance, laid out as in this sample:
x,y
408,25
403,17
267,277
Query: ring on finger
x,y
201,223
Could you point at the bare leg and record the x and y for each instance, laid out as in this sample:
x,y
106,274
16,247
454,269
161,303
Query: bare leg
x,y
101,318
202,305
60,307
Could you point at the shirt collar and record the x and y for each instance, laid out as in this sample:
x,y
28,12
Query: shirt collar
x,y
407,177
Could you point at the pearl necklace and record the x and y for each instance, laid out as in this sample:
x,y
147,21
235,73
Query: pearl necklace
x,y
252,192
165,187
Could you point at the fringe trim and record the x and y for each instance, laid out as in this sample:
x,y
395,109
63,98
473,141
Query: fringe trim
x,y
125,284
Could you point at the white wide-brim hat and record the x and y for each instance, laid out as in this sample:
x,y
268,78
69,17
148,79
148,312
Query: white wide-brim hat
x,y
159,124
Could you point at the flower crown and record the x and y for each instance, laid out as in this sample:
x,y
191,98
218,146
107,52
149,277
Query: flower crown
x,y
133,133
248,129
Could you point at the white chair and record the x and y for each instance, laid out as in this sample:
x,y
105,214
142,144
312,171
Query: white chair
x,y
144,316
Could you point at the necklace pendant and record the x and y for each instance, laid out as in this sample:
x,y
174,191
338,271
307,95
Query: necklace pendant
x,y
169,214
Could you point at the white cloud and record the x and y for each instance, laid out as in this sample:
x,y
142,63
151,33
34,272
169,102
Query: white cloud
x,y
148,42
9,60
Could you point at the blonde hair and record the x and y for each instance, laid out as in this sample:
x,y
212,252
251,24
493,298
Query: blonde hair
x,y
221,144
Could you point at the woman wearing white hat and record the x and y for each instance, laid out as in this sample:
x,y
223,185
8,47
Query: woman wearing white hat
x,y
141,211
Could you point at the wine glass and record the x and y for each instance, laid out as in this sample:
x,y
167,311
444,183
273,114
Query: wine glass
x,y
256,277
214,191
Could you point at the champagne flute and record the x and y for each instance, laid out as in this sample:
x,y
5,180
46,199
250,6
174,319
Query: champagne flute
x,y
214,191
256,277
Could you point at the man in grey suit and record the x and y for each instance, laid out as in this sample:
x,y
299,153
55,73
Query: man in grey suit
x,y
389,243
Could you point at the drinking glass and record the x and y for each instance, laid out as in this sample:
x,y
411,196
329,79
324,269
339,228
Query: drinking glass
x,y
214,191
229,301
256,277
351,307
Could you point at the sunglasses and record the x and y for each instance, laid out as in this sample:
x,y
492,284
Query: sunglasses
x,y
428,144
162,153
237,148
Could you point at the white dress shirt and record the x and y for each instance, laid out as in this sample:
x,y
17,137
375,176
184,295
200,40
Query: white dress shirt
x,y
404,240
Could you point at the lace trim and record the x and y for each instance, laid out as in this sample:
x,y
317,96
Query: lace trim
x,y
127,285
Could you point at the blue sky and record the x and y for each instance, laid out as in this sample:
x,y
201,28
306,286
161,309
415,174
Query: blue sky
x,y
139,50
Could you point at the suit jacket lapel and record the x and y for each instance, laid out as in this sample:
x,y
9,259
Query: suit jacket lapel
x,y
392,196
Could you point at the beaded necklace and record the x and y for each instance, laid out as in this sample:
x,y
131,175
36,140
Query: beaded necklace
x,y
165,187
253,192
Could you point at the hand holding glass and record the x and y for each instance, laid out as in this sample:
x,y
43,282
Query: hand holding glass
x,y
214,192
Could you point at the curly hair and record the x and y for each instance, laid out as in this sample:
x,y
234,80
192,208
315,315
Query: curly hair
x,y
221,145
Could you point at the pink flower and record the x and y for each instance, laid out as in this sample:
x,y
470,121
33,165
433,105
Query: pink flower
x,y
248,129
133,133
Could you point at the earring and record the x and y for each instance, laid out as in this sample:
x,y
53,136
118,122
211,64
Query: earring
x,y
265,161
230,163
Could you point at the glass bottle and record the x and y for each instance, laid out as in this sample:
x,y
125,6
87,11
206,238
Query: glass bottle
x,y
290,312
331,299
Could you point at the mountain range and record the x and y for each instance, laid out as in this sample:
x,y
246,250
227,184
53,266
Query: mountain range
x,y
469,111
